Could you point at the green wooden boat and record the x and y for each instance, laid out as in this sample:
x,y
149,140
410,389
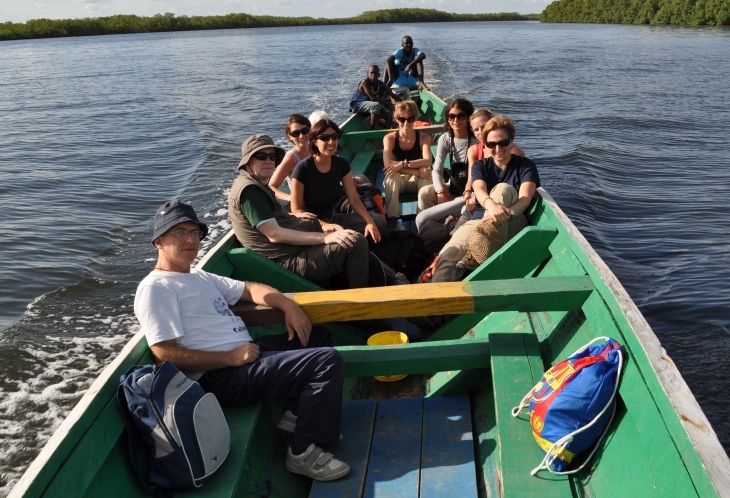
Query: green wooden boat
x,y
446,429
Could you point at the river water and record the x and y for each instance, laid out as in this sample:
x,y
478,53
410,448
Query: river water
x,y
627,124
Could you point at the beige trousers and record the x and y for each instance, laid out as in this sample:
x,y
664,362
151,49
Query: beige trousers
x,y
397,184
455,249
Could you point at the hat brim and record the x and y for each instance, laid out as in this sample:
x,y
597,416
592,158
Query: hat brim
x,y
280,153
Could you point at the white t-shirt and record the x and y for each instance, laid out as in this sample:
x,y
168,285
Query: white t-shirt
x,y
191,308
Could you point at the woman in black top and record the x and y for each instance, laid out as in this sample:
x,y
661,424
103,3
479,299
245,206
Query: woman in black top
x,y
323,179
406,158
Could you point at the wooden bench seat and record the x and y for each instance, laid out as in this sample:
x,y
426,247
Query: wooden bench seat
x,y
409,447
516,368
361,161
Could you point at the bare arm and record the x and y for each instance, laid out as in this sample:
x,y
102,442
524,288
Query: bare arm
x,y
283,170
280,235
295,319
200,361
417,167
357,205
498,214
364,89
415,61
297,196
470,199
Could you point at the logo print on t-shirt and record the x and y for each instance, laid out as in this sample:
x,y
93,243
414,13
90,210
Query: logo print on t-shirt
x,y
221,307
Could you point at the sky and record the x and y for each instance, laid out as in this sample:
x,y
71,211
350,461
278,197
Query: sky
x,y
23,10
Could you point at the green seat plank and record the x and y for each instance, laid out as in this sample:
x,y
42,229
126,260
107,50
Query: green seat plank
x,y
229,478
447,462
254,267
395,455
516,368
423,357
516,259
360,162
358,419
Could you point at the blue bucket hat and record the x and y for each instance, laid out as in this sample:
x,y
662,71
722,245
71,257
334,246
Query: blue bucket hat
x,y
173,212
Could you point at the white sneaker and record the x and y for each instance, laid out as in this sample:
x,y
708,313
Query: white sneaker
x,y
287,423
316,463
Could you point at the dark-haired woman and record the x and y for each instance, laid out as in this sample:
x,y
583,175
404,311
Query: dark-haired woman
x,y
297,132
323,179
436,202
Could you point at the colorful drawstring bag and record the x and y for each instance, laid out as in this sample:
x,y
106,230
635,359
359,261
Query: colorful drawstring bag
x,y
574,403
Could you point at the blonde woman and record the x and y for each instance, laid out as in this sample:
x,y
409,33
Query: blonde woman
x,y
406,158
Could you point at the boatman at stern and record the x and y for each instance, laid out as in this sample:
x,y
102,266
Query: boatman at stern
x,y
404,67
185,315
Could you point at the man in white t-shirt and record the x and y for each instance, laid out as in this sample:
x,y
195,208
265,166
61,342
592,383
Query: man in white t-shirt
x,y
185,315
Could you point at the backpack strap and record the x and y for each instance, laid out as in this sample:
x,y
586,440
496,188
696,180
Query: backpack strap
x,y
158,486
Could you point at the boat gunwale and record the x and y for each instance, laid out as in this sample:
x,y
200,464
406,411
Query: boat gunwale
x,y
688,411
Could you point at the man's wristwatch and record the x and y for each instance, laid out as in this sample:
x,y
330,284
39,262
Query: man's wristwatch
x,y
511,213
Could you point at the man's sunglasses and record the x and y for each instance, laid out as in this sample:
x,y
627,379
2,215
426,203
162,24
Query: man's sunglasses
x,y
403,119
502,143
296,133
457,117
261,156
326,137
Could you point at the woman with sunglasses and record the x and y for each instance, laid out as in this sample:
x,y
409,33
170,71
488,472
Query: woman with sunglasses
x,y
320,181
504,185
478,151
297,132
406,158
441,200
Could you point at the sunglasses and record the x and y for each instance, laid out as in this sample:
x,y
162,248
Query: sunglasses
x,y
326,137
402,119
502,143
296,133
457,117
262,156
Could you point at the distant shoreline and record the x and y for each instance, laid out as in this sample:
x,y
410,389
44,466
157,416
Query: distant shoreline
x,y
127,24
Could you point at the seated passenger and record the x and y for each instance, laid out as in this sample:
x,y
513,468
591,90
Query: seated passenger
x,y
477,151
373,97
404,67
185,316
297,132
438,201
504,185
320,181
296,242
406,158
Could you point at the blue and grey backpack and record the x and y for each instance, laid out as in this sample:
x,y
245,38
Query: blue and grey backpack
x,y
182,427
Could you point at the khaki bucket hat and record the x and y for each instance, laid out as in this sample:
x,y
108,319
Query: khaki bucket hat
x,y
256,143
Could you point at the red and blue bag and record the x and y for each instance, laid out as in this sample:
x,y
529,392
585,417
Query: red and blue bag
x,y
574,403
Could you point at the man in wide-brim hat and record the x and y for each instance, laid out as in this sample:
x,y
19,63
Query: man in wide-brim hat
x,y
296,242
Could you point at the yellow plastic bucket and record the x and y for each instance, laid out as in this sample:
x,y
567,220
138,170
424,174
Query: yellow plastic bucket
x,y
388,339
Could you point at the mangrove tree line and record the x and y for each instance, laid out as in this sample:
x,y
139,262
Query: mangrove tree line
x,y
687,12
120,24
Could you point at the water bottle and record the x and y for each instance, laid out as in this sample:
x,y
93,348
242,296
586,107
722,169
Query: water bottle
x,y
400,225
